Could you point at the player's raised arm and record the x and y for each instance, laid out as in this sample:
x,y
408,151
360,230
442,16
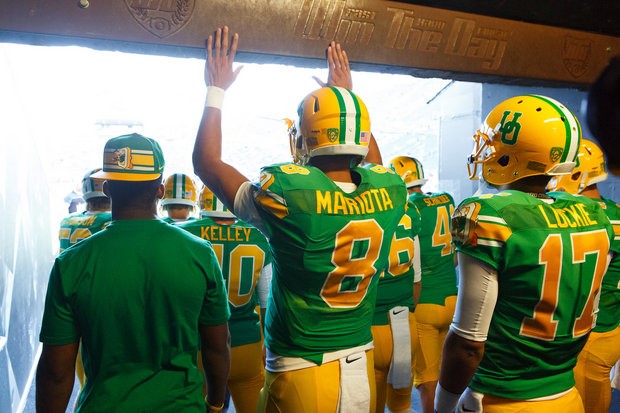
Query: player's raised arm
x,y
223,179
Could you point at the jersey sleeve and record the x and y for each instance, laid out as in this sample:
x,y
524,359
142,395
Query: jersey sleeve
x,y
479,231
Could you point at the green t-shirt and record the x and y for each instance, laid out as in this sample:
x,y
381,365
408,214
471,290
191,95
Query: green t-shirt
x,y
242,252
134,294
395,286
608,317
438,272
81,225
329,248
550,260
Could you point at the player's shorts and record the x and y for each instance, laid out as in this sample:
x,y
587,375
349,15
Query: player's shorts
x,y
311,389
247,376
433,322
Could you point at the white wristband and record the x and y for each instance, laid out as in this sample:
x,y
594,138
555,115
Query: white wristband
x,y
215,97
445,402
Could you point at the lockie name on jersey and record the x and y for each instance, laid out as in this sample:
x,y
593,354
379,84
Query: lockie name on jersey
x,y
575,216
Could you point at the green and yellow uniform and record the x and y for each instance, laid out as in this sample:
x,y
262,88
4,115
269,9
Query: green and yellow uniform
x,y
438,296
602,350
393,325
550,259
243,252
81,225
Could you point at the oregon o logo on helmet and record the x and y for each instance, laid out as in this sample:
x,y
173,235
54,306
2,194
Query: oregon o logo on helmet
x,y
510,128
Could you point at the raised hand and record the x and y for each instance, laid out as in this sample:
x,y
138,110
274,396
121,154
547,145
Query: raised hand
x,y
221,51
339,69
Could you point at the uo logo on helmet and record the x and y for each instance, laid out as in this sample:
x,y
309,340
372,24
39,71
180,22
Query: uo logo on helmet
x,y
510,128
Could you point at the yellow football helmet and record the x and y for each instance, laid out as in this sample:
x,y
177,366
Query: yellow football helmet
x,y
525,136
92,187
331,121
410,169
591,169
180,189
210,206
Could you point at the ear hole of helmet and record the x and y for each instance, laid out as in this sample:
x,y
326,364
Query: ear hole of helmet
x,y
504,160
575,176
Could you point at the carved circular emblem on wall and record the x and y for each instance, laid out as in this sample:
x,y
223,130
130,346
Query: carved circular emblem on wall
x,y
161,17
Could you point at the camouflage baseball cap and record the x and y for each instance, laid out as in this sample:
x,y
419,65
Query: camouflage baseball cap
x,y
131,157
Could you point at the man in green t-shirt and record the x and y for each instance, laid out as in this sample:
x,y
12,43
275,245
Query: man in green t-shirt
x,y
435,307
602,350
142,296
531,266
329,221
81,225
243,254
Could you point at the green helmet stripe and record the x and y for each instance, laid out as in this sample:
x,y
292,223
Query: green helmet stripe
x,y
571,146
348,104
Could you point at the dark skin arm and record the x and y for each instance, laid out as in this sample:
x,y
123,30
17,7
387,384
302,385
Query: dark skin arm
x,y
215,348
460,360
55,377
223,179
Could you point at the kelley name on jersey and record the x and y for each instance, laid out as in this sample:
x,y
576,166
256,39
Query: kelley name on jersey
x,y
225,233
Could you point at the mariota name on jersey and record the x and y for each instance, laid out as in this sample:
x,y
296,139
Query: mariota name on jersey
x,y
334,202
575,216
225,233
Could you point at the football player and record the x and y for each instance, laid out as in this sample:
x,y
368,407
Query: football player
x,y
329,222
81,225
531,266
243,253
179,198
435,308
602,350
394,326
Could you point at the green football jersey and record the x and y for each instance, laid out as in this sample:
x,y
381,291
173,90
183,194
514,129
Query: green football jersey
x,y
550,260
81,225
329,248
438,271
242,251
608,316
135,294
395,286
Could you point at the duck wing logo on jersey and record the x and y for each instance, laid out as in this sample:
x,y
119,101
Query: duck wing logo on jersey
x,y
161,17
464,224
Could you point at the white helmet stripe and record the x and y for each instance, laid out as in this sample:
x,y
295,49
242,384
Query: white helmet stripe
x,y
572,146
350,125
